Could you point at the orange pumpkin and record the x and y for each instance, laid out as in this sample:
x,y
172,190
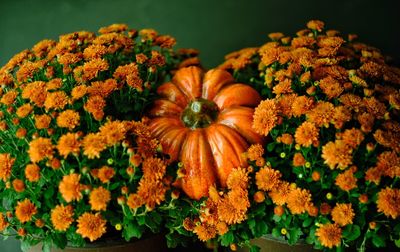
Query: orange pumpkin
x,y
204,121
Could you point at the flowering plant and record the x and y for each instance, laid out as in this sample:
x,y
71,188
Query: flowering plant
x,y
329,173
76,156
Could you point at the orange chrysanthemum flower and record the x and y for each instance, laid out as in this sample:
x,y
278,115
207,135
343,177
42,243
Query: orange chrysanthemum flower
x,y
70,188
92,68
205,232
153,169
330,87
233,208
18,185
113,132
105,174
92,145
343,214
346,180
36,92
341,116
25,210
338,154
42,121
266,116
24,110
95,106
99,198
279,195
352,137
298,159
285,139
388,202
329,235
254,152
78,92
68,119
3,222
267,178
40,149
9,97
56,100
32,172
307,134
389,163
6,163
321,114
134,201
91,226
238,178
54,84
62,217
69,144
151,192
298,200
102,88
374,174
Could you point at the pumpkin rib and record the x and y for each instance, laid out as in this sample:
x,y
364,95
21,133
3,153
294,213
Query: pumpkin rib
x,y
189,81
226,150
198,169
172,93
161,125
237,94
164,107
171,141
240,119
213,81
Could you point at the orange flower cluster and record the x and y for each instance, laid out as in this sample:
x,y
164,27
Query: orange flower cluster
x,y
223,209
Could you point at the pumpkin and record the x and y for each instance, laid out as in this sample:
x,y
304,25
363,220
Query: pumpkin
x,y
205,122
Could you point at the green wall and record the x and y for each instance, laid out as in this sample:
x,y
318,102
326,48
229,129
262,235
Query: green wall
x,y
215,27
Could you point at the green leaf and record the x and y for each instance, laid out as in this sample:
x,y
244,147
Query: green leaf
x,y
378,241
307,222
227,239
132,229
294,235
254,248
276,232
352,232
397,243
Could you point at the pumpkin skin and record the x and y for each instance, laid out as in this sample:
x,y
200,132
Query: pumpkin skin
x,y
205,122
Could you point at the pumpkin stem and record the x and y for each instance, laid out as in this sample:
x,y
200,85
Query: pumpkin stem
x,y
200,113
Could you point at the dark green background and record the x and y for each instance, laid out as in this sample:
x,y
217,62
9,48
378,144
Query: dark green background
x,y
215,27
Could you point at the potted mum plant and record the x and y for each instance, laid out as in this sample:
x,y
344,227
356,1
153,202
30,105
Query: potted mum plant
x,y
328,174
77,161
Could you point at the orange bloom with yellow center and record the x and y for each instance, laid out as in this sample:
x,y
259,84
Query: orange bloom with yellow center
x,y
69,144
298,201
62,217
25,210
113,132
343,214
68,119
93,144
99,198
267,178
40,149
91,226
329,235
321,114
70,188
307,134
42,121
24,110
337,154
266,116
32,172
388,202
56,100
346,180
3,222
6,163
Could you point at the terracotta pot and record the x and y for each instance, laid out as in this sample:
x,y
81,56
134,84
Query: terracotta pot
x,y
269,243
151,244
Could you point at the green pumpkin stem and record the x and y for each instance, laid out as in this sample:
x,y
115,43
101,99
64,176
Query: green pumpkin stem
x,y
200,113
